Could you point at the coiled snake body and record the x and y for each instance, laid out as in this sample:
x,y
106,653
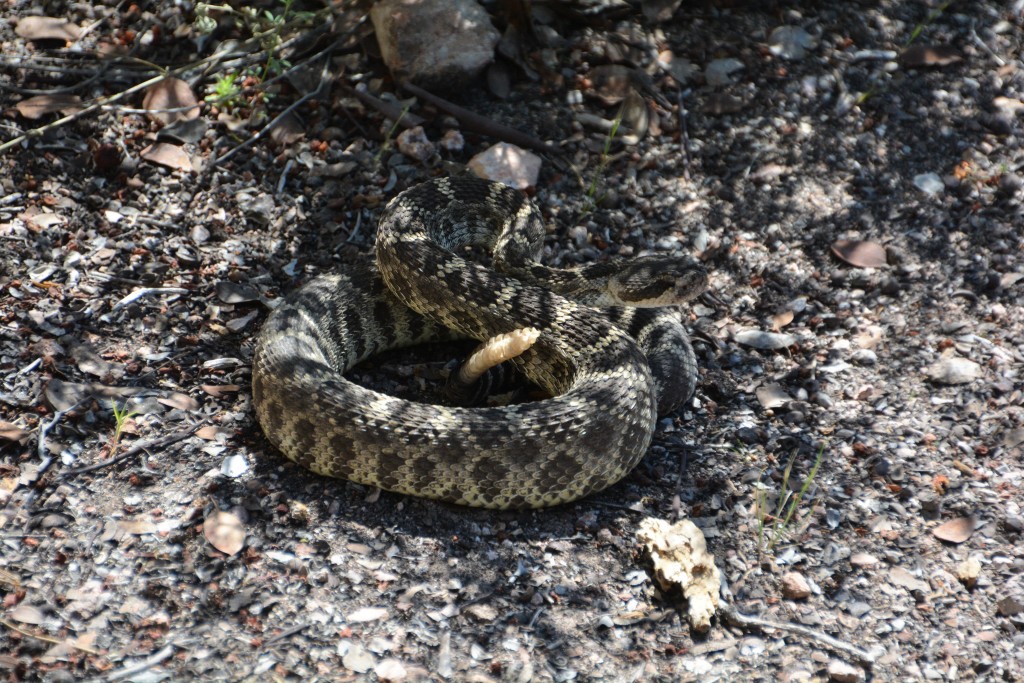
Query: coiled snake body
x,y
606,391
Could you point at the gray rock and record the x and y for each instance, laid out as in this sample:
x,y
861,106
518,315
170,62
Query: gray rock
x,y
438,44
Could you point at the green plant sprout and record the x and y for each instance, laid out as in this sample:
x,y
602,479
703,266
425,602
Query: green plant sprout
x,y
267,28
777,524
602,165
121,416
386,144
226,93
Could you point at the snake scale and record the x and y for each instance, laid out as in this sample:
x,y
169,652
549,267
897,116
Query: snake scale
x,y
609,371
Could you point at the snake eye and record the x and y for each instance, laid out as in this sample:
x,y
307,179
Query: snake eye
x,y
691,283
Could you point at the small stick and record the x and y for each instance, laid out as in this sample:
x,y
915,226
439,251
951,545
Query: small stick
x,y
148,291
144,665
480,124
136,449
288,632
736,618
101,102
48,639
386,108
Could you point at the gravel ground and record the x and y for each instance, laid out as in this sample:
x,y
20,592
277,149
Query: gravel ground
x,y
859,208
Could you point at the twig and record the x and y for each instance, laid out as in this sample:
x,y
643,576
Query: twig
x,y
102,102
48,639
286,633
984,46
44,458
280,117
144,665
136,449
480,124
391,111
736,618
148,291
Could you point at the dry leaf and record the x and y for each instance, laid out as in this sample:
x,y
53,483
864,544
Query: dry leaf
x,y
955,530
41,105
772,396
859,253
225,532
179,401
166,154
27,614
171,94
930,55
780,320
901,577
12,432
136,527
47,28
220,390
210,432
288,131
367,614
940,483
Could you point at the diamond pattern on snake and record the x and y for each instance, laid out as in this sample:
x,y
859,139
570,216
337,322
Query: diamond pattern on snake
x,y
610,350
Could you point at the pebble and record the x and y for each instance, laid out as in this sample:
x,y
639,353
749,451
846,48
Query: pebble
x,y
795,586
841,672
864,357
1010,606
929,183
953,370
414,144
505,163
863,560
719,71
790,42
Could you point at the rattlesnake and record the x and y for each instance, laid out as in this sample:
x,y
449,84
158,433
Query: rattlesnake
x,y
605,397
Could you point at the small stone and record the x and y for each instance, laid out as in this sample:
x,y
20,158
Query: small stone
x,y
841,672
1010,606
864,357
863,560
357,659
929,183
390,670
414,144
507,164
953,371
931,503
764,340
719,71
858,608
790,42
437,44
968,571
795,586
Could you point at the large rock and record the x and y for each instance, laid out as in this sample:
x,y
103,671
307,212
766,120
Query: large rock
x,y
436,44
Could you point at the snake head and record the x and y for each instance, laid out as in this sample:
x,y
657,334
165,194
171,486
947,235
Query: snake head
x,y
651,281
